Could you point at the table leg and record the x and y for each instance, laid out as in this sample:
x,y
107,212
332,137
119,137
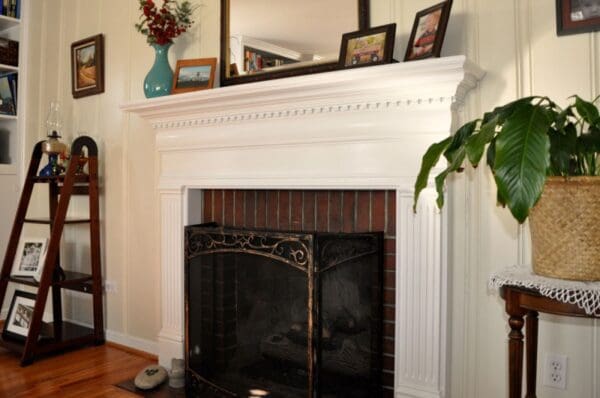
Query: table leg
x,y
515,356
515,343
531,345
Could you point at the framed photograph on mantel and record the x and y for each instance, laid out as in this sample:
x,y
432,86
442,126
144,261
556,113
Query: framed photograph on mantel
x,y
194,75
428,32
368,47
577,16
87,66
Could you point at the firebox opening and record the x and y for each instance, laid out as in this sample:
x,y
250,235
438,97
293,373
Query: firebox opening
x,y
283,314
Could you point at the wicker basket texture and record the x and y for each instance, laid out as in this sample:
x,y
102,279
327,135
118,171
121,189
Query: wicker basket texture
x,y
565,229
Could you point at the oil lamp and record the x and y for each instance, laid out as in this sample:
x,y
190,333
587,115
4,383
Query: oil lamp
x,y
52,146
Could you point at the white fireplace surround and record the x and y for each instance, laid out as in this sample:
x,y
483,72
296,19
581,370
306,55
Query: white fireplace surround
x,y
363,128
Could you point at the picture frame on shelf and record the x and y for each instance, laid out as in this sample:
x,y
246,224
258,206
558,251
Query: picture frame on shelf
x,y
19,316
87,66
29,261
577,16
193,75
372,46
8,94
428,32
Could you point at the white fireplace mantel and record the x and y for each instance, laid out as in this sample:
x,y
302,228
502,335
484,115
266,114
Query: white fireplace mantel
x,y
363,128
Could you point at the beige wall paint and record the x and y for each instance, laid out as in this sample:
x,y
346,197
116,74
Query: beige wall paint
x,y
514,41
128,209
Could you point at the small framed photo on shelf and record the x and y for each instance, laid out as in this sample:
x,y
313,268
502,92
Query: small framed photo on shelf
x,y
577,16
87,66
428,32
30,257
8,94
368,47
194,75
19,316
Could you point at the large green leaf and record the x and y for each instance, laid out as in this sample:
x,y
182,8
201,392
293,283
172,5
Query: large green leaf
x,y
522,158
430,159
587,111
458,139
475,144
504,111
455,165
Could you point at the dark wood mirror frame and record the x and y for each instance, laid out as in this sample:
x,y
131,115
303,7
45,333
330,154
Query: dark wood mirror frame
x,y
363,23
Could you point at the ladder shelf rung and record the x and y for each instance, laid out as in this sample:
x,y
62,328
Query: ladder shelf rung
x,y
48,221
79,178
73,281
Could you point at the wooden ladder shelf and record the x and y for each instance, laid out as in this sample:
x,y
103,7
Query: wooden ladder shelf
x,y
58,335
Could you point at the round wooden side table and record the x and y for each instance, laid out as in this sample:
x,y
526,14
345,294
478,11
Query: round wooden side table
x,y
523,306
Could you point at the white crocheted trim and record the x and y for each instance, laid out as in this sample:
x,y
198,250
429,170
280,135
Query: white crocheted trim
x,y
586,295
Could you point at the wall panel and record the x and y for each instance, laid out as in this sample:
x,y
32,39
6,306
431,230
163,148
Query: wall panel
x,y
514,41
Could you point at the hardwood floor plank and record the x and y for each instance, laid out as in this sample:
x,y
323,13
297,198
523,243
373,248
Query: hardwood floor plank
x,y
89,372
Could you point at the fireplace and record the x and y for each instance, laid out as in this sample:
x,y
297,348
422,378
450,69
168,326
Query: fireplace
x,y
356,129
285,314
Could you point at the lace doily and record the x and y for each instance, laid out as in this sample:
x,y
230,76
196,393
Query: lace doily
x,y
586,295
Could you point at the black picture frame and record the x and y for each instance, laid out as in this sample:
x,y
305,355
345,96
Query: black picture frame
x,y
91,82
573,17
431,39
368,47
19,316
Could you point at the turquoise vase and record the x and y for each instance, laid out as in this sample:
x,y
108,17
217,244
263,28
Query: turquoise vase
x,y
159,79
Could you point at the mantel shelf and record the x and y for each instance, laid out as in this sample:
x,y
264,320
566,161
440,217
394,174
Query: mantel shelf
x,y
417,81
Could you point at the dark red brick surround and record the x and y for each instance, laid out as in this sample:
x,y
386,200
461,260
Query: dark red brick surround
x,y
325,211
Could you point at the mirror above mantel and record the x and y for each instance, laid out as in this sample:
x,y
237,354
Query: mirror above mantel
x,y
265,39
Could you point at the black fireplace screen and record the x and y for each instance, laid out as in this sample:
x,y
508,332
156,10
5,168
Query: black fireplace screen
x,y
272,314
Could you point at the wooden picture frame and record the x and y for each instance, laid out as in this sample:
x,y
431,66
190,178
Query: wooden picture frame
x,y
194,75
19,316
365,47
577,16
30,257
87,66
428,32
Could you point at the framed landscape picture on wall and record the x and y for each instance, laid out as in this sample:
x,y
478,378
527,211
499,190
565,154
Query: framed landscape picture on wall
x,y
577,16
87,66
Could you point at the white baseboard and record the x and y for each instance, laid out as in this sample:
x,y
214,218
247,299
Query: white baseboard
x,y
148,346
416,392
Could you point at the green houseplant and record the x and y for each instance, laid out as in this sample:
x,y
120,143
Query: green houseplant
x,y
527,144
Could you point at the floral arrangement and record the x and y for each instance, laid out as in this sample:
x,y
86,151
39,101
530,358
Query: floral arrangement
x,y
162,25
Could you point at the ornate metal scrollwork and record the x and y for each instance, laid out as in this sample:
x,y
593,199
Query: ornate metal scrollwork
x,y
337,251
292,249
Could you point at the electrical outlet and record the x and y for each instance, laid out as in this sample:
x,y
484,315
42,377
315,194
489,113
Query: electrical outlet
x,y
555,371
110,286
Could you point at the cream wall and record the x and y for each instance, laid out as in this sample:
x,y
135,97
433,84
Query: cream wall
x,y
128,209
514,41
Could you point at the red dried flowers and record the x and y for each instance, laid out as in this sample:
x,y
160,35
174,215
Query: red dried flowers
x,y
162,25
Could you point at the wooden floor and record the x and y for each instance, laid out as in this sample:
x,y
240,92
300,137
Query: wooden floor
x,y
89,372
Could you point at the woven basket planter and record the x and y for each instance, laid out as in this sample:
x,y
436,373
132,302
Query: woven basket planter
x,y
565,229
